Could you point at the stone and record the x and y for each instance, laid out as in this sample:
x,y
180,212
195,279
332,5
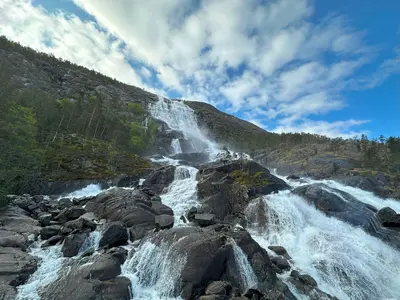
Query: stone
x,y
64,203
160,179
13,239
204,219
7,292
164,221
72,244
80,224
388,217
70,213
279,250
15,266
281,263
293,177
49,231
218,288
53,241
45,218
114,234
214,297
191,213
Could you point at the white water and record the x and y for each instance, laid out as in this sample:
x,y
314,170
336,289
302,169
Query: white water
x,y
154,272
176,146
344,260
182,192
247,276
88,191
179,116
49,266
91,242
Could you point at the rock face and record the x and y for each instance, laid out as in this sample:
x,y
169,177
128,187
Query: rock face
x,y
164,221
114,234
345,207
192,159
160,179
70,213
90,278
226,189
72,244
388,217
132,207
208,255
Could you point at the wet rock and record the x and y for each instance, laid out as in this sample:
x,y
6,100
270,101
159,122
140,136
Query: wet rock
x,y
114,234
159,179
15,219
253,293
70,213
15,266
164,221
307,285
293,177
45,218
7,292
279,250
214,297
49,231
53,241
64,203
105,267
191,213
388,217
72,244
13,239
161,209
218,288
281,263
82,201
80,224
192,159
204,219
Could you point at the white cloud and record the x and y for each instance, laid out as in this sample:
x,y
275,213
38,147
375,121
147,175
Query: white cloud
x,y
145,72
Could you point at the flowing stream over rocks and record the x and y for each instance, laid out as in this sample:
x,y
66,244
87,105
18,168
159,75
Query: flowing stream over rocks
x,y
344,260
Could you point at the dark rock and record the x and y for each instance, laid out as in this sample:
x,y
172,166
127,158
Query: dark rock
x,y
307,285
13,239
88,252
7,292
388,217
49,231
70,213
194,158
105,267
82,201
218,288
72,244
45,218
347,208
204,219
114,234
293,177
367,183
159,179
214,297
281,263
64,203
161,209
15,266
279,250
164,221
53,241
253,293
191,213
80,224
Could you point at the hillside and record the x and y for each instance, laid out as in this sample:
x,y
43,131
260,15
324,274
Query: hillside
x,y
72,123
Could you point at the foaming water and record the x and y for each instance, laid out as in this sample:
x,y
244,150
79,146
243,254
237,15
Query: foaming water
x,y
154,272
176,146
91,242
247,275
179,116
166,161
344,260
182,192
48,269
88,191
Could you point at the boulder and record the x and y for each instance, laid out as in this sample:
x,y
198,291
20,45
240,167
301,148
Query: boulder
x,y
339,204
191,213
64,203
114,234
80,224
7,292
45,218
204,219
49,231
192,159
214,297
15,266
388,217
293,177
72,244
218,288
281,263
15,219
70,213
307,285
160,179
164,221
53,241
133,207
13,239
279,250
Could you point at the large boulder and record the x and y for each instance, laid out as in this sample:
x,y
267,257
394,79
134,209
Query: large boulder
x,y
339,204
70,213
388,217
114,234
15,266
90,278
49,231
72,244
133,207
160,179
227,189
13,239
164,221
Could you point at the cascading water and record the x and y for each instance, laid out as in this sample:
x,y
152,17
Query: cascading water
x,y
345,261
176,146
154,272
247,276
91,242
181,117
88,191
182,192
49,266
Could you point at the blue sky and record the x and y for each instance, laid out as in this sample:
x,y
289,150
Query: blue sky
x,y
326,67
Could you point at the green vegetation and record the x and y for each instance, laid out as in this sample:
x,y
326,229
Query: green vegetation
x,y
245,178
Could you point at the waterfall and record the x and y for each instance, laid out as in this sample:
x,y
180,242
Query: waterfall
x,y
154,272
50,264
88,191
91,242
182,192
181,117
345,261
247,277
176,146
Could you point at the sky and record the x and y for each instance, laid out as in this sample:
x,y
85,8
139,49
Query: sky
x,y
325,67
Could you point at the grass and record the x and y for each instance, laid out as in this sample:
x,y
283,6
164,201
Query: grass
x,y
245,178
